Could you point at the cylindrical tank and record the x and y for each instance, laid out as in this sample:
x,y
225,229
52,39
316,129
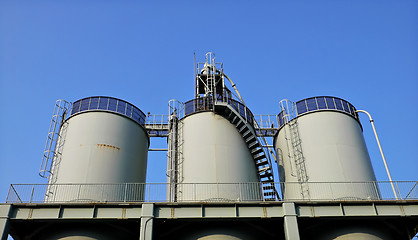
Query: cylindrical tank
x,y
214,159
80,230
220,233
322,152
342,229
103,145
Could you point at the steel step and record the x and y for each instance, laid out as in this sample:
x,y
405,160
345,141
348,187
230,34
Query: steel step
x,y
253,145
250,139
257,151
269,193
259,157
234,119
262,163
270,199
239,124
267,181
266,175
269,187
264,169
245,134
243,129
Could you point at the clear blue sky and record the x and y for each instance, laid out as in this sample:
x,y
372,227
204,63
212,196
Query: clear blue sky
x,y
365,51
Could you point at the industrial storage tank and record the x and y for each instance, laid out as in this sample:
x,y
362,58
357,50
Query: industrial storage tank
x,y
215,162
103,145
213,151
322,153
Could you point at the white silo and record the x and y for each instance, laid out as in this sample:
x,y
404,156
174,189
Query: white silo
x,y
103,145
215,158
218,157
322,153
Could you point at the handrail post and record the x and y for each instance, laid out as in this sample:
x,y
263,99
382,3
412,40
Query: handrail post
x,y
8,194
17,194
31,195
149,194
399,191
240,194
195,194
410,191
381,151
126,189
376,189
79,191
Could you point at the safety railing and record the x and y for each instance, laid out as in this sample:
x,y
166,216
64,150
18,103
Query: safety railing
x,y
109,104
208,192
266,125
291,110
158,120
198,105
206,104
157,125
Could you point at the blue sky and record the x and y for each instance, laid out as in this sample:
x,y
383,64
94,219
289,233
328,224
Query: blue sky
x,y
141,51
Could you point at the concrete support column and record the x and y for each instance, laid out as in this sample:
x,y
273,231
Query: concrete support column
x,y
147,221
4,221
291,229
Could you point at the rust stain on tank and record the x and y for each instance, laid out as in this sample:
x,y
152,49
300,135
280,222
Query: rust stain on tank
x,y
108,146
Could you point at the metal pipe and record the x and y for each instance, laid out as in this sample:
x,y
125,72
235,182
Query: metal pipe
x,y
235,88
381,151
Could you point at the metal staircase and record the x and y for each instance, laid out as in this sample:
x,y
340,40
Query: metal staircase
x,y
248,133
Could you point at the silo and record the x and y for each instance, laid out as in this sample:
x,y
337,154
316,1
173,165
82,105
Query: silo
x,y
213,153
322,153
215,162
102,146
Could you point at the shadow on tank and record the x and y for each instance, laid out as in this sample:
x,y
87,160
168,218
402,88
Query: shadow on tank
x,y
219,229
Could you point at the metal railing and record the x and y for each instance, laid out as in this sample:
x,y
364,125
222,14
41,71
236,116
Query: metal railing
x,y
291,110
207,104
208,192
110,104
157,125
266,125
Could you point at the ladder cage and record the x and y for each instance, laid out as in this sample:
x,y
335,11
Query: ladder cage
x,y
50,152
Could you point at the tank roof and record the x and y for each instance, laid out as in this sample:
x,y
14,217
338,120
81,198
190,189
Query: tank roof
x,y
108,104
314,104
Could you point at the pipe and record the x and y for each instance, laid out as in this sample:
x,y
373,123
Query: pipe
x,y
381,151
235,88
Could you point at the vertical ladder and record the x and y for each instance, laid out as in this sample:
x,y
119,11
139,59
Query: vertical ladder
x,y
172,157
174,154
58,153
295,152
298,158
52,146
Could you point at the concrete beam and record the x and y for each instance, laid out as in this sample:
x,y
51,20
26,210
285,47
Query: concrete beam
x,y
291,229
147,221
4,221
